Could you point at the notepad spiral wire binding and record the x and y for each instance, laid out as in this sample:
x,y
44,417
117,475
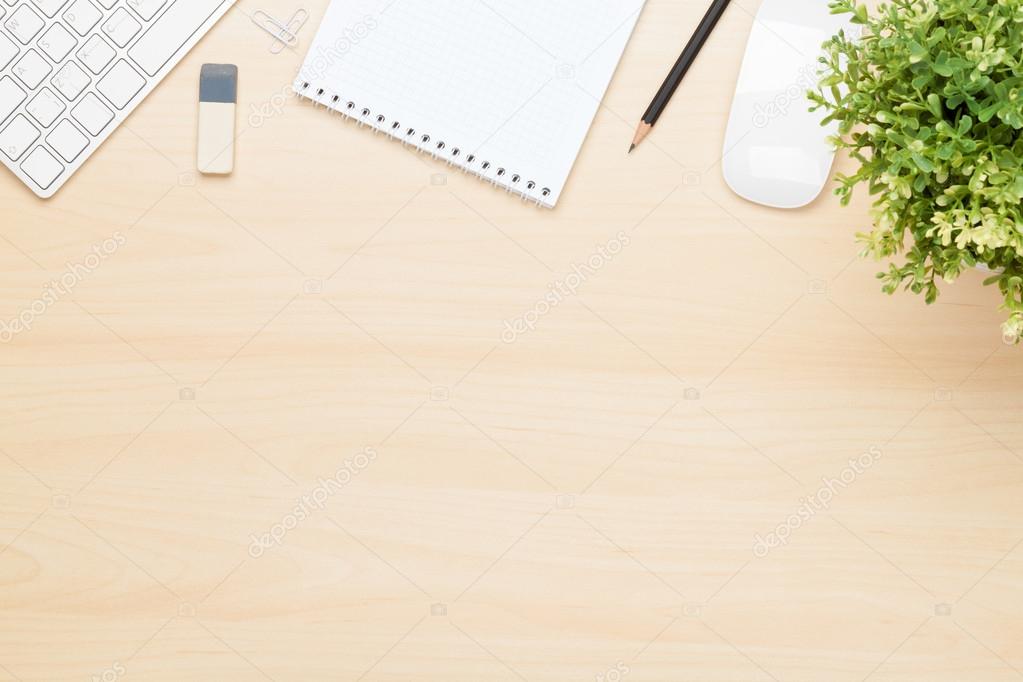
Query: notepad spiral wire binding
x,y
485,169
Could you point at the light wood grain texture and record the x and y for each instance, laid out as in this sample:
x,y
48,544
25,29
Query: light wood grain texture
x,y
580,502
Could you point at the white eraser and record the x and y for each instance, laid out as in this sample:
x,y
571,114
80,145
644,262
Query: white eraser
x,y
218,98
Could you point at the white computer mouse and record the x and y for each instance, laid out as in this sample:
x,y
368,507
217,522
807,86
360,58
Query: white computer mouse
x,y
776,151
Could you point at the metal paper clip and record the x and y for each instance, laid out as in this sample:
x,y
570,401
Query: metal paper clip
x,y
285,35
294,26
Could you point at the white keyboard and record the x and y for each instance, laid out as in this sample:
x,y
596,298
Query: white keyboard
x,y
72,70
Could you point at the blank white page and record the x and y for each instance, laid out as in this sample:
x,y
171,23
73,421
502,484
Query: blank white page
x,y
506,89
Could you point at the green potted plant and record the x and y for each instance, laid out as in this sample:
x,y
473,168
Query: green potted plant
x,y
929,101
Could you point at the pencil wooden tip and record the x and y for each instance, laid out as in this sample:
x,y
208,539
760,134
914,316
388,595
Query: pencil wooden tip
x,y
641,132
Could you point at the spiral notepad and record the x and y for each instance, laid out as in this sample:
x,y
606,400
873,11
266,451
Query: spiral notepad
x,y
504,89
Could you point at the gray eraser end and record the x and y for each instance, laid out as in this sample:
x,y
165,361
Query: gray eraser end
x,y
218,83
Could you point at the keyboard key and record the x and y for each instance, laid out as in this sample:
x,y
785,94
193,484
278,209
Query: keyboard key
x,y
45,107
121,27
146,9
67,141
11,97
107,3
82,16
42,167
92,114
57,43
96,54
121,84
17,137
70,81
49,7
24,24
8,50
172,30
32,69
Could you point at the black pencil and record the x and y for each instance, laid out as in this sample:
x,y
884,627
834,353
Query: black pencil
x,y
678,72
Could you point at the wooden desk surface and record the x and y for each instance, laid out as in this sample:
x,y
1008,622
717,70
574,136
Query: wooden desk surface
x,y
276,428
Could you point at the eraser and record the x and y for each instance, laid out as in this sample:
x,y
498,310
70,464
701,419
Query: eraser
x,y
218,101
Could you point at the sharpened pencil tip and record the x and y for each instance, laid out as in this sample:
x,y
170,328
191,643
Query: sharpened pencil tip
x,y
641,132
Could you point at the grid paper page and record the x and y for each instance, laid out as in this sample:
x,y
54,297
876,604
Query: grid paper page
x,y
506,89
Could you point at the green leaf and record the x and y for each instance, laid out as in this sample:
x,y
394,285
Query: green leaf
x,y
987,113
941,65
917,52
923,163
